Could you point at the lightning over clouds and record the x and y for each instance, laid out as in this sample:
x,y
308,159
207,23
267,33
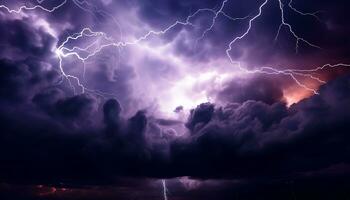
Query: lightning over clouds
x,y
214,99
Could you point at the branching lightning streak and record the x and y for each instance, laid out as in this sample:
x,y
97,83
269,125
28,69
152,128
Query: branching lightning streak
x,y
294,74
311,14
23,8
92,49
291,30
81,4
265,70
216,14
246,32
63,52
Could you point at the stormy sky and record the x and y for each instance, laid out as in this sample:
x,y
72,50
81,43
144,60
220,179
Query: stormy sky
x,y
174,99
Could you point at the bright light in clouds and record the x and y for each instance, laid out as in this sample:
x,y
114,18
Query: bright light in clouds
x,y
192,90
294,95
191,84
188,83
46,26
182,94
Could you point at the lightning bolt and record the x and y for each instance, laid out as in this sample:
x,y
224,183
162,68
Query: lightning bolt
x,y
102,41
290,28
294,74
37,7
165,190
311,14
93,48
216,14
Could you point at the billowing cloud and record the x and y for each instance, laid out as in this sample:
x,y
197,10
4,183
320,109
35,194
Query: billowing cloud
x,y
172,105
254,138
262,89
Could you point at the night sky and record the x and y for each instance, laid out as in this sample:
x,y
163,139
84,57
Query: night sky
x,y
174,99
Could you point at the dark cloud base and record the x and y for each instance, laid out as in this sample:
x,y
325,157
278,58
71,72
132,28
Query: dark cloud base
x,y
58,139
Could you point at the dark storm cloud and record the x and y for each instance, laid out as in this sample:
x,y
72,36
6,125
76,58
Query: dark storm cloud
x,y
256,139
258,88
21,79
247,140
41,124
111,112
25,59
48,136
21,40
200,116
